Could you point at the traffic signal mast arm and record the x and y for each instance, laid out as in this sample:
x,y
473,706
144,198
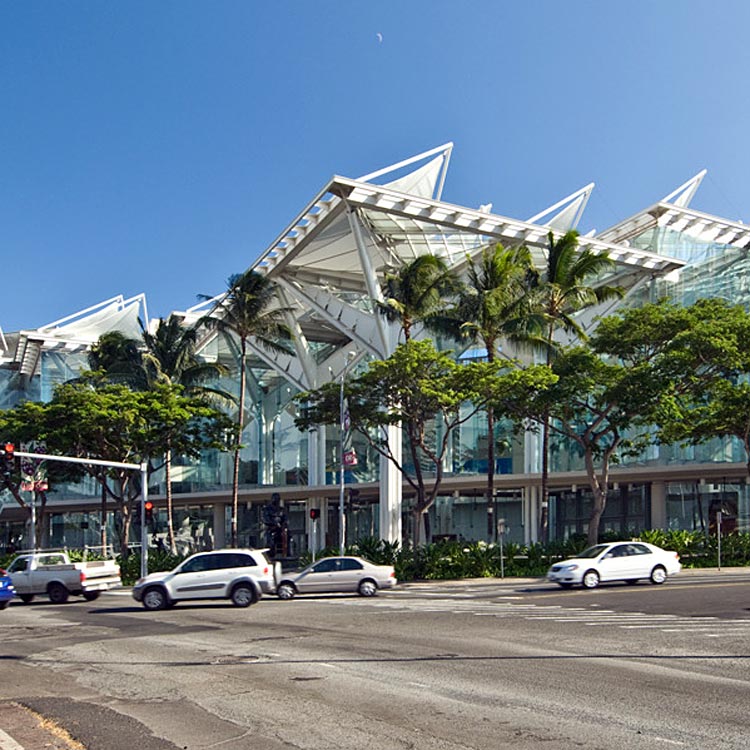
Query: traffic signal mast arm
x,y
142,467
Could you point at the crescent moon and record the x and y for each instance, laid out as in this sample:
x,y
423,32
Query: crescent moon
x,y
379,36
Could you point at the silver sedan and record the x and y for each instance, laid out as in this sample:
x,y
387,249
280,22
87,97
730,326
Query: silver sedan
x,y
337,575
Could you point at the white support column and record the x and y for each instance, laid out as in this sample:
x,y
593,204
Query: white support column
x,y
371,280
220,532
658,505
391,490
316,451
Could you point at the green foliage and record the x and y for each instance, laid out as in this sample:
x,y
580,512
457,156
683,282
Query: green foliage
x,y
130,567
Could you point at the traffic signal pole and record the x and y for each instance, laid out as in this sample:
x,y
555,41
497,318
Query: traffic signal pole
x,y
142,467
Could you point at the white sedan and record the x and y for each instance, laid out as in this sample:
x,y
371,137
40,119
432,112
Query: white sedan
x,y
618,561
337,574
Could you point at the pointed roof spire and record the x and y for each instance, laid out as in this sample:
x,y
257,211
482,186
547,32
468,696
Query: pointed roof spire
x,y
571,210
684,194
426,181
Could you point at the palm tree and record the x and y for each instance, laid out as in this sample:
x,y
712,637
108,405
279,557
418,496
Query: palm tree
x,y
247,310
416,291
169,357
491,306
119,358
563,290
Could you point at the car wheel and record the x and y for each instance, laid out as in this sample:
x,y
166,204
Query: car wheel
x,y
3,605
155,598
243,595
57,593
565,585
285,591
91,596
631,581
368,588
27,598
658,574
590,579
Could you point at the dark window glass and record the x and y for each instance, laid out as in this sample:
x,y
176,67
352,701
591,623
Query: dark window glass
x,y
196,565
351,565
639,549
326,566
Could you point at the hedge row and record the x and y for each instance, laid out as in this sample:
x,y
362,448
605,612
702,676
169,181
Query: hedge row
x,y
452,560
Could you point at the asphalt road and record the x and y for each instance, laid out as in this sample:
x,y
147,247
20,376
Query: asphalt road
x,y
443,666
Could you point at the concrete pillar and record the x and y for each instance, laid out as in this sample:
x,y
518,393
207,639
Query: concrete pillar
x,y
391,490
658,505
220,526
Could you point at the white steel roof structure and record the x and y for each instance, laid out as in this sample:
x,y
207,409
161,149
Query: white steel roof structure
x,y
76,332
331,261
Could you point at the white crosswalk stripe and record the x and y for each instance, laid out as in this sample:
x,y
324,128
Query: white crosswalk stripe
x,y
590,617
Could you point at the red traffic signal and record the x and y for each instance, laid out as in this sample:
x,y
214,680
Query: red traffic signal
x,y
8,458
315,513
148,508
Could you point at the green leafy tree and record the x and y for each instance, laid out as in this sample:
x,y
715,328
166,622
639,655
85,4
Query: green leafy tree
x,y
491,306
112,422
23,424
429,395
566,286
637,369
249,311
169,358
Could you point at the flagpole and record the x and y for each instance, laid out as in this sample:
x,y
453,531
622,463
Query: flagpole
x,y
342,516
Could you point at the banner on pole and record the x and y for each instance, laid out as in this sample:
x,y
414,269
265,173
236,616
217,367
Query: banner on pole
x,y
347,445
33,470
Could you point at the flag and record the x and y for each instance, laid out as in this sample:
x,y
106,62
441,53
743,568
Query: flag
x,y
33,470
349,455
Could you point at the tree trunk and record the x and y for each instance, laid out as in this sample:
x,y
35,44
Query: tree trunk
x,y
168,482
491,525
126,522
544,512
417,526
240,425
103,512
599,488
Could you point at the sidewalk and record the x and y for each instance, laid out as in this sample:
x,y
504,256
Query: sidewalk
x,y
23,729
518,581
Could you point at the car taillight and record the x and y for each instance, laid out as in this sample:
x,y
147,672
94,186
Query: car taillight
x,y
393,574
83,576
265,571
3,572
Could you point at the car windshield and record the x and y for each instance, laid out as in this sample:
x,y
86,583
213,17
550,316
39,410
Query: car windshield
x,y
594,551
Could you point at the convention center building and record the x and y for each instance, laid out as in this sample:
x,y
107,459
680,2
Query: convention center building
x,y
329,265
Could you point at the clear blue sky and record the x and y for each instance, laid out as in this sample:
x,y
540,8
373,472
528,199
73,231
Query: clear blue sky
x,y
159,147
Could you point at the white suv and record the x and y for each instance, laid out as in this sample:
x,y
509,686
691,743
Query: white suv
x,y
242,575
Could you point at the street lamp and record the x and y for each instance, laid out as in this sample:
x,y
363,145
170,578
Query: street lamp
x,y
342,519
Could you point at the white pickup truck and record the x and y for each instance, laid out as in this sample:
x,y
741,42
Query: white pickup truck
x,y
53,574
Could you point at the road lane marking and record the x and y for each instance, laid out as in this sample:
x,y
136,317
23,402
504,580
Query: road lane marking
x,y
8,743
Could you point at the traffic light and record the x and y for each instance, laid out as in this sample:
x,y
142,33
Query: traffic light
x,y
9,458
148,508
315,513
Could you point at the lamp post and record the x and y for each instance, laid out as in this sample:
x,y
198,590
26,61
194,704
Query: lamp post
x,y
342,518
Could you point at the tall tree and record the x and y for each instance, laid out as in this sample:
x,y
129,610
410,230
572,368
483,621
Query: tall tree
x,y
417,291
491,306
249,311
170,358
418,388
566,286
